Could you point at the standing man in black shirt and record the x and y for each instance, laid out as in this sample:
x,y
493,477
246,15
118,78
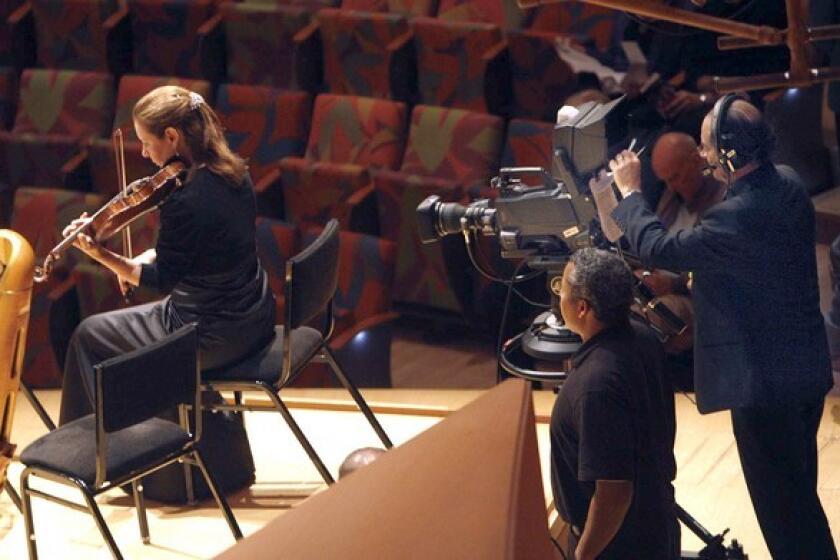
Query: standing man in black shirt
x,y
760,346
612,427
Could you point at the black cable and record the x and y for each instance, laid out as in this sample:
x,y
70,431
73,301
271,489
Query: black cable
x,y
500,341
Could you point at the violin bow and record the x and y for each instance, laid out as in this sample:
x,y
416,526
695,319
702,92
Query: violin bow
x,y
119,156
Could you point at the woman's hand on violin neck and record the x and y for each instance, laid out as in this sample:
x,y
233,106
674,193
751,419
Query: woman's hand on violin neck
x,y
146,257
76,225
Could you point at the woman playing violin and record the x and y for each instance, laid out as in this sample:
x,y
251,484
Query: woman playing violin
x,y
204,262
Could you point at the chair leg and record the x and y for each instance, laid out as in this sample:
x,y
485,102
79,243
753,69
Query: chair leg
x,y
100,524
220,498
357,396
189,487
140,506
13,495
31,545
304,442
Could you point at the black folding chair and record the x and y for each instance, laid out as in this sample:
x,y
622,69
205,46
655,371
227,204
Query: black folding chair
x,y
123,441
311,282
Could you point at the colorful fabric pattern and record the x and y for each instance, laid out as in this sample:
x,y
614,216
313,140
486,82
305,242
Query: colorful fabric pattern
x,y
315,192
165,37
541,79
261,46
357,130
409,8
359,58
504,13
40,215
528,144
264,124
598,28
70,33
452,62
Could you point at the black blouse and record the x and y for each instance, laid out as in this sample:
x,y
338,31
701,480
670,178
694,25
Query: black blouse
x,y
207,262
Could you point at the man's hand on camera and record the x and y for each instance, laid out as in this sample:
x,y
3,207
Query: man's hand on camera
x,y
627,172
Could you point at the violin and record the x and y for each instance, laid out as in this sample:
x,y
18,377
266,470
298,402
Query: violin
x,y
139,198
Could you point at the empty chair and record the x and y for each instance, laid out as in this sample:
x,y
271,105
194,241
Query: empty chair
x,y
461,64
541,80
409,8
123,441
82,34
350,136
58,110
450,153
103,172
504,13
271,45
40,215
171,38
264,124
368,54
312,278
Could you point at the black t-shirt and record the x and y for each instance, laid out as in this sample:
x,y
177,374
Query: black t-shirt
x,y
614,420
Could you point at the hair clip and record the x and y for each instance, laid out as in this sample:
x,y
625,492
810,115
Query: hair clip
x,y
195,100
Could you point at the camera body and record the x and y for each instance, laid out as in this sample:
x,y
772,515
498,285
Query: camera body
x,y
553,218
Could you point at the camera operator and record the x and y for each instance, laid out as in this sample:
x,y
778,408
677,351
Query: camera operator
x,y
612,426
760,345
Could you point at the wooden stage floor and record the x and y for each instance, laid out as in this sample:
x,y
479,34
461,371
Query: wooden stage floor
x,y
709,483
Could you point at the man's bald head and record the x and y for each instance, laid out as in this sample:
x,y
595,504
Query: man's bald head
x,y
676,161
358,459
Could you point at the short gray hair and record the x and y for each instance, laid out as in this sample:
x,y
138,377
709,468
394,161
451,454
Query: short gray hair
x,y
605,281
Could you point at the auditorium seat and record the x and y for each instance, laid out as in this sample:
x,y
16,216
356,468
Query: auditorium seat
x,y
350,136
82,34
100,151
263,125
8,96
461,64
528,144
541,80
58,110
450,152
17,34
410,8
368,54
598,29
170,38
503,13
40,215
271,45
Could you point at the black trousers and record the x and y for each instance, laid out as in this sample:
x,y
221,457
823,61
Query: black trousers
x,y
111,334
778,451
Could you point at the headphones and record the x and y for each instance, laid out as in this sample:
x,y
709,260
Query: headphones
x,y
725,152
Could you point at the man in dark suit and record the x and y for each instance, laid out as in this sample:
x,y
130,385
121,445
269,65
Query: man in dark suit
x,y
760,345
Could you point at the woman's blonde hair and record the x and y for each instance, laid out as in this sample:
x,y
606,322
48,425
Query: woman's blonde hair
x,y
198,124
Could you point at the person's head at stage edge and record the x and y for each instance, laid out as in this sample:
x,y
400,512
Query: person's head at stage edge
x,y
742,129
677,162
596,292
173,122
358,459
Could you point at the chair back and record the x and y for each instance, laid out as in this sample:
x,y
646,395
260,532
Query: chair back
x,y
136,386
312,278
17,264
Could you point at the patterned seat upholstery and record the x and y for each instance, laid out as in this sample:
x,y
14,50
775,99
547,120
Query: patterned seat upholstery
x,y
461,64
410,8
367,54
264,125
40,215
449,153
168,35
528,144
350,135
598,29
58,110
311,5
363,310
504,13
541,80
81,34
100,151
271,45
